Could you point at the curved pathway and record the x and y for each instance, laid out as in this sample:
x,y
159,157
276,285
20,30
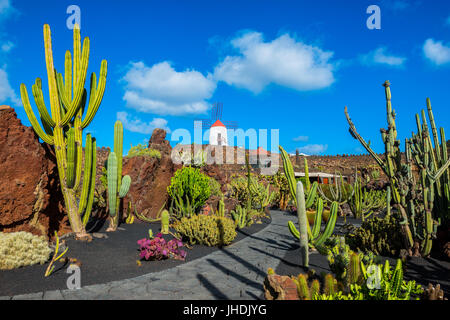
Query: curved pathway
x,y
236,272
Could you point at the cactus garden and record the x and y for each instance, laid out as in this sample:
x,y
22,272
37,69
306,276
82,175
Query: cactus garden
x,y
96,203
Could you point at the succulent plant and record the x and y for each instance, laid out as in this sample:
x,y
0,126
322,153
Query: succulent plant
x,y
118,186
63,128
206,230
19,249
422,204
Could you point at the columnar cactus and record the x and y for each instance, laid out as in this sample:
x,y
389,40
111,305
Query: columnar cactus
x,y
311,190
303,224
421,207
118,186
63,128
165,222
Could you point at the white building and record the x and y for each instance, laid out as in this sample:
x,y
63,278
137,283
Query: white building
x,y
218,134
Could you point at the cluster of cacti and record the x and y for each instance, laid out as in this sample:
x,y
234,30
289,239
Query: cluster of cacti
x,y
241,216
421,205
189,187
63,128
142,150
179,208
250,192
209,230
118,186
378,235
19,249
340,192
338,258
385,283
221,207
282,195
312,290
373,282
363,202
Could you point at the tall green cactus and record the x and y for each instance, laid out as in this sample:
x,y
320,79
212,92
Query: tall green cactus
x,y
303,224
118,186
422,206
311,190
63,128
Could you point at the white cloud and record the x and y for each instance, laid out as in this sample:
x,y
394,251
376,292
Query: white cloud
x,y
283,61
301,138
6,91
437,52
7,46
313,148
382,56
137,125
162,90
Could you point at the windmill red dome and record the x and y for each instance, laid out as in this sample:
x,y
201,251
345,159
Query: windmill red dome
x,y
218,123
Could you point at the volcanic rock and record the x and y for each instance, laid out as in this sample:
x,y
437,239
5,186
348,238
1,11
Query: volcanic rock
x,y
278,287
30,195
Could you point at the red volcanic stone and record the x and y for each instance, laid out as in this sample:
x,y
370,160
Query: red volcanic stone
x,y
30,195
280,288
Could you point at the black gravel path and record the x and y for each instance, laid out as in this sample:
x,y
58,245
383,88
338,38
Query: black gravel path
x,y
105,260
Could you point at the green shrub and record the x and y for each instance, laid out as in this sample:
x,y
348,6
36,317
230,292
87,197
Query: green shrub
x,y
379,236
191,185
206,230
19,249
142,150
215,187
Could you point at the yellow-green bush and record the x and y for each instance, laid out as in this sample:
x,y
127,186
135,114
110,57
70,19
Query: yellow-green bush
x,y
206,230
19,249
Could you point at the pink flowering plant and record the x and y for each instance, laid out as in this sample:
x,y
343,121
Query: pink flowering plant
x,y
158,249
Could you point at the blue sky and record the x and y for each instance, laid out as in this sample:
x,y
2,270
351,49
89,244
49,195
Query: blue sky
x,y
287,65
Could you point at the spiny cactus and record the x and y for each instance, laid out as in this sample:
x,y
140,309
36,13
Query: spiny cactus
x,y
303,225
339,192
364,203
421,206
315,236
312,291
63,128
221,210
311,190
206,230
377,235
165,222
118,186
241,217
